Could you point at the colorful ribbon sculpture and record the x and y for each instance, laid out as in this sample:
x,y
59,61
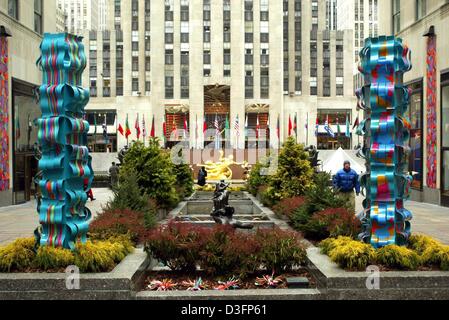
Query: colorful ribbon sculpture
x,y
385,100
62,135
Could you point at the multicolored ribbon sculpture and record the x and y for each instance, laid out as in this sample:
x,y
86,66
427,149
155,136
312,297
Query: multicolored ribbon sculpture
x,y
62,135
385,100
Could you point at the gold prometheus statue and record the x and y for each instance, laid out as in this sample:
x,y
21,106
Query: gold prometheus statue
x,y
221,170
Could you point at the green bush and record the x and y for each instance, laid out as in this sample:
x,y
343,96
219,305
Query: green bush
x,y
331,243
258,177
18,255
184,180
280,251
294,173
156,176
398,257
319,196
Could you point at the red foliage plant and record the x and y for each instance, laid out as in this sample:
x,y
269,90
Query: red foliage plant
x,y
119,222
287,206
223,251
338,222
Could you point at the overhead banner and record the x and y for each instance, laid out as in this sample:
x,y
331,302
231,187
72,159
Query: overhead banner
x,y
4,118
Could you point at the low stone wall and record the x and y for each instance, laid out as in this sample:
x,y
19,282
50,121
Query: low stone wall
x,y
121,283
338,284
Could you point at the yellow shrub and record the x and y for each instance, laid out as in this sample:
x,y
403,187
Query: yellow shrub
x,y
18,255
331,243
421,243
353,255
100,256
53,258
398,257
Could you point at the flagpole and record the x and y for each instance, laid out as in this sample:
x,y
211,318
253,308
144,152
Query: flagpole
x,y
307,128
296,127
127,141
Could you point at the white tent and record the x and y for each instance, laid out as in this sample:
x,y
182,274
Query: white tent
x,y
335,162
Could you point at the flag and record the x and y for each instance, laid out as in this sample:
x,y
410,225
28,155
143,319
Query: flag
x,y
246,125
317,126
237,126
95,123
196,131
144,128
338,127
217,133
348,133
120,129
278,127
328,128
164,128
153,129
105,130
174,127
295,125
356,123
257,127
290,126
137,127
127,128
186,127
204,125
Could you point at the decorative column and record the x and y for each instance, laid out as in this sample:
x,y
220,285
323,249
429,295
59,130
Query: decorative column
x,y
385,100
62,135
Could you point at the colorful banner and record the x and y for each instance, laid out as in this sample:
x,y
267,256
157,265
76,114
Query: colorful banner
x,y
431,94
385,221
4,118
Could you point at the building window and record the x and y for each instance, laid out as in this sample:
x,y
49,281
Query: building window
x,y
13,9
38,8
396,16
101,141
415,114
420,9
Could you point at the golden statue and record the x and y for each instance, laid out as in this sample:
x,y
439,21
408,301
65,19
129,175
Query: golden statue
x,y
221,170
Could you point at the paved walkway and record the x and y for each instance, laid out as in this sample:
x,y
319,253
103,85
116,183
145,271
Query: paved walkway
x,y
21,221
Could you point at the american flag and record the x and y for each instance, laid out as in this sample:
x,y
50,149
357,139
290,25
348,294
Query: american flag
x,y
217,126
328,128
237,126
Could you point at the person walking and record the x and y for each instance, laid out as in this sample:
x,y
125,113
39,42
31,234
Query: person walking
x,y
202,174
345,181
113,173
90,194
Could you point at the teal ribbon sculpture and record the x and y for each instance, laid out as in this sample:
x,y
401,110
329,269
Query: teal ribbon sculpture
x,y
385,100
62,135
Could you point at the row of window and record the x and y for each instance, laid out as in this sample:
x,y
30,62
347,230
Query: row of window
x,y
14,9
420,12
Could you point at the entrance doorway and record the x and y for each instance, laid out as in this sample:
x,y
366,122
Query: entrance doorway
x,y
444,189
25,166
217,109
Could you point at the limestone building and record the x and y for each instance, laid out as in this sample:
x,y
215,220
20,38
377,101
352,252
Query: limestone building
x,y
192,61
81,14
423,25
22,23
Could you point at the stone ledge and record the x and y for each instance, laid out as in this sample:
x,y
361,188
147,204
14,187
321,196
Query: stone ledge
x,y
122,282
253,294
339,283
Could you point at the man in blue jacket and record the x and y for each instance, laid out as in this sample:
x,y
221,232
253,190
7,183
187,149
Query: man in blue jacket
x,y
346,180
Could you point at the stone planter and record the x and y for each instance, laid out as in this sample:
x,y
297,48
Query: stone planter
x,y
336,283
121,283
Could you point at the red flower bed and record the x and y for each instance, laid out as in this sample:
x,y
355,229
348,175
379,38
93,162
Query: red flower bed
x,y
333,222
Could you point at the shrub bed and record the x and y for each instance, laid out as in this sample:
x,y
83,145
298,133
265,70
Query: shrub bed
x,y
94,256
422,252
223,251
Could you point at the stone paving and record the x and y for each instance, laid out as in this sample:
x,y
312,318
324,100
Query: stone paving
x,y
22,220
